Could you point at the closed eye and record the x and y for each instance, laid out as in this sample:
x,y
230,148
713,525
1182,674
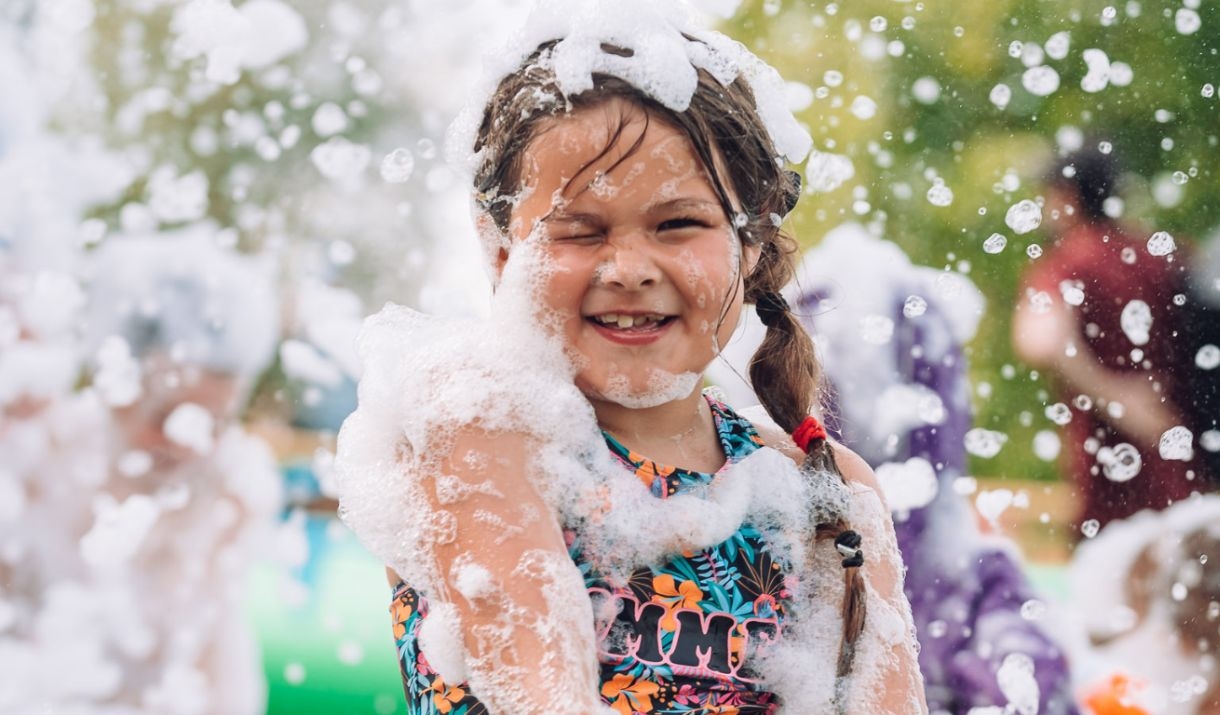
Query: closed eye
x,y
567,230
674,224
578,236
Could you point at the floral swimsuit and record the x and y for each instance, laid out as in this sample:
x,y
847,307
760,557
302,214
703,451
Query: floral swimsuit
x,y
685,629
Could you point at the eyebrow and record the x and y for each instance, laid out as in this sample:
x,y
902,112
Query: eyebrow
x,y
559,216
680,204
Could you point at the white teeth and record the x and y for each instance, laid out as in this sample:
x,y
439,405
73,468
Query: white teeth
x,y
624,322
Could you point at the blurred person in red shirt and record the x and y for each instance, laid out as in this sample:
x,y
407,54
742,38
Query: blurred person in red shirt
x,y
1100,312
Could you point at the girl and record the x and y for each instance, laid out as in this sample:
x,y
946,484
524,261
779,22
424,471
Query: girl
x,y
629,188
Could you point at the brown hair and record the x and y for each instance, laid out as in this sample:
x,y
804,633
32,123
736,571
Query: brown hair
x,y
725,130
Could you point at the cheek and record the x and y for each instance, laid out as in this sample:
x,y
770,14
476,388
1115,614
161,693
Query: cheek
x,y
564,288
732,316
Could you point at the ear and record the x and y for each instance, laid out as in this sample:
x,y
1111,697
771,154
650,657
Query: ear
x,y
495,243
498,261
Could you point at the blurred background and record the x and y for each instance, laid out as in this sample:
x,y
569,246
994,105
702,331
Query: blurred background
x,y
201,199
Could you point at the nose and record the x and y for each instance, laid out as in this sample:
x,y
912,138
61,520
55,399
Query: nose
x,y
628,264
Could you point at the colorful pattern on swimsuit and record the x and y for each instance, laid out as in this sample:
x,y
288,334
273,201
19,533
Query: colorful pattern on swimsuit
x,y
685,629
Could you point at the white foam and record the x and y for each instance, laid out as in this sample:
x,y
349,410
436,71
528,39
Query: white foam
x,y
119,530
1018,684
1040,81
1121,463
985,443
440,640
191,426
1176,444
663,387
1023,216
663,62
907,486
117,378
1136,321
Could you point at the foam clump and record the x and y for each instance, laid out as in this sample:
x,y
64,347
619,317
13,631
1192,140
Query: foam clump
x,y
119,530
662,48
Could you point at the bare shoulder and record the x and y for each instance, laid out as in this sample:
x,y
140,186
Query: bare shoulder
x,y
855,470
772,434
853,467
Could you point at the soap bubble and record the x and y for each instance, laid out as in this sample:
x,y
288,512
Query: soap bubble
x,y
1001,95
984,443
1176,444
1023,217
1059,413
1033,610
1040,81
1161,244
995,243
1208,357
397,166
940,195
914,306
1121,463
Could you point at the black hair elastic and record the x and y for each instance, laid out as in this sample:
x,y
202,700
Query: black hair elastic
x,y
848,544
791,197
770,308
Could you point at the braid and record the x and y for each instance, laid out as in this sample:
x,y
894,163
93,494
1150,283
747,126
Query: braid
x,y
786,377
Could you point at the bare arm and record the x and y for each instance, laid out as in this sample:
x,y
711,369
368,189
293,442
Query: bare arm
x,y
1047,339
887,678
507,586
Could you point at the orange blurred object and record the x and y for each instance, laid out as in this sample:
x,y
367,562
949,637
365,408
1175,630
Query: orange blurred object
x,y
1115,697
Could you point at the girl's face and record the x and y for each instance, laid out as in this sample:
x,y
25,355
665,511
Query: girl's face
x,y
647,270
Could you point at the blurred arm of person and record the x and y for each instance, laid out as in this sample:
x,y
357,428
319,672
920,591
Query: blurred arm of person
x,y
1048,340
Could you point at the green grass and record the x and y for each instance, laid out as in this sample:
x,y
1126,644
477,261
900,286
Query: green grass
x,y
328,620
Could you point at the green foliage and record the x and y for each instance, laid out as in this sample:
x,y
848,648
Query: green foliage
x,y
1165,120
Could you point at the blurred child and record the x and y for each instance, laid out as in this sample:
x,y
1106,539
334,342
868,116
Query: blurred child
x,y
137,574
1146,595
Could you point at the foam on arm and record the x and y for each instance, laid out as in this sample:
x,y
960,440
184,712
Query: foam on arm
x,y
507,583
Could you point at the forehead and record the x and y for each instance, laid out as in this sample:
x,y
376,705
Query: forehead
x,y
615,138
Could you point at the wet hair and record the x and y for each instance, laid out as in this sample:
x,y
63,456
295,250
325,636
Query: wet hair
x,y
1194,615
1197,615
723,127
1090,174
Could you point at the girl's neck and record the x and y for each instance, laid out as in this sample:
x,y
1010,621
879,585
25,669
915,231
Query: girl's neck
x,y
681,433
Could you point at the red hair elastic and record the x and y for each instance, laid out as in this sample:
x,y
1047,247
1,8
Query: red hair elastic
x,y
807,431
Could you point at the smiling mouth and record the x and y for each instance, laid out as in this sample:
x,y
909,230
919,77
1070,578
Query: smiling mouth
x,y
637,323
